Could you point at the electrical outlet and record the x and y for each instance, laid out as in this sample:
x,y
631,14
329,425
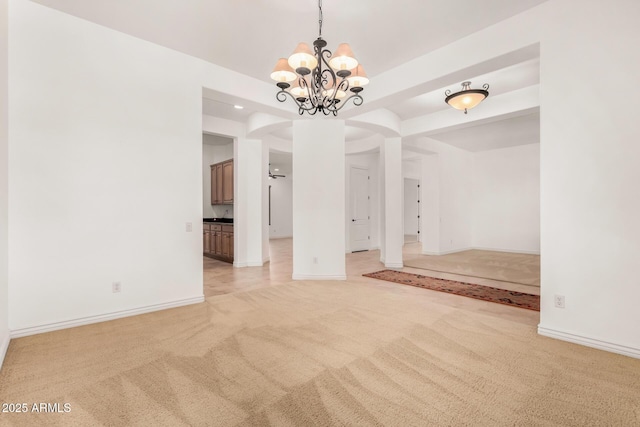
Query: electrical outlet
x,y
189,227
315,259
559,301
116,287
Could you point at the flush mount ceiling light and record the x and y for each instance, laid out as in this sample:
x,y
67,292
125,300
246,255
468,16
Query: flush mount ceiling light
x,y
320,80
467,98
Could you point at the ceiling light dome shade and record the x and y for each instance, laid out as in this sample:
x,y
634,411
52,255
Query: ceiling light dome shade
x,y
467,98
343,58
302,57
358,77
282,72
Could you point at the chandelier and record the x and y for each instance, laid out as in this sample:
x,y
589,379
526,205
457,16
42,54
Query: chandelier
x,y
319,80
466,98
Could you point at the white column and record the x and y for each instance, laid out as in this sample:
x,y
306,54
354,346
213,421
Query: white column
x,y
249,208
391,157
318,199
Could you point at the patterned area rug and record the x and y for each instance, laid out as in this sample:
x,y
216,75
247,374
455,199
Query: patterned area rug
x,y
485,293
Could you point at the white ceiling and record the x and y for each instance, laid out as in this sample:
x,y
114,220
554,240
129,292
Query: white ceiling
x,y
510,132
500,81
247,36
209,139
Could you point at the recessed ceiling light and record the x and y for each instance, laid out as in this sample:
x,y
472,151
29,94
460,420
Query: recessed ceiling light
x,y
277,170
238,107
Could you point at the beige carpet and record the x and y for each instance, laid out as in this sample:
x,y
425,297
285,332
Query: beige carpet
x,y
320,353
510,267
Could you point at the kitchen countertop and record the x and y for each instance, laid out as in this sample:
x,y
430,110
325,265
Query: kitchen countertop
x,y
219,220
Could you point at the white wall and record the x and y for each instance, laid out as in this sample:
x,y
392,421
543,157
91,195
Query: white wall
x,y
212,154
506,194
281,208
455,196
411,168
486,200
370,161
4,184
105,144
589,173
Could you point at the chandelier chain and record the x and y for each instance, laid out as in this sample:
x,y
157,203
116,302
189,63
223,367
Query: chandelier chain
x,y
319,18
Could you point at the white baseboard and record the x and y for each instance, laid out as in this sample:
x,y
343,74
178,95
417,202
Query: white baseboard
x,y
589,342
248,264
318,277
393,265
515,251
33,330
4,346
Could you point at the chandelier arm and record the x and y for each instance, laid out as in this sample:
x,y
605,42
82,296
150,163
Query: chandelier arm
x,y
357,101
324,57
282,94
327,80
343,85
311,96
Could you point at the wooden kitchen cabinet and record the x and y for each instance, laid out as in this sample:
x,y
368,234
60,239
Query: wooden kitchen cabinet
x,y
227,241
206,238
218,241
227,182
222,183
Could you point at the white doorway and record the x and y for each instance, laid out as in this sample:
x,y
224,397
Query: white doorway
x,y
411,210
359,224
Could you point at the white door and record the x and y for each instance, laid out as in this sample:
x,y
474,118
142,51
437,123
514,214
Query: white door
x,y
411,210
359,209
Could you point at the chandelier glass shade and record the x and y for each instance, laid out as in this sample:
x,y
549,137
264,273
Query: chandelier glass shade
x,y
466,98
317,80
